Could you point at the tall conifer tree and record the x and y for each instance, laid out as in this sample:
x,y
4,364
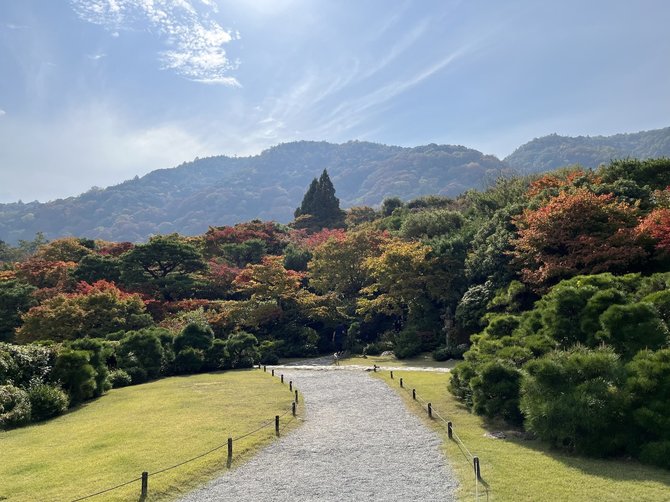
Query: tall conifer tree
x,y
320,208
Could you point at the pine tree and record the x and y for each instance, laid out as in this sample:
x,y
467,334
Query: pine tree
x,y
320,208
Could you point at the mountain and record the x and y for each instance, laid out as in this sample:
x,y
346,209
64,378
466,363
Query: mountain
x,y
225,190
550,152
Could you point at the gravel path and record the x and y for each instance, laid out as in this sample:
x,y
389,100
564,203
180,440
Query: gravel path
x,y
358,442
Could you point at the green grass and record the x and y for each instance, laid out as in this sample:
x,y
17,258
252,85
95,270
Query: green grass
x,y
423,360
142,428
526,470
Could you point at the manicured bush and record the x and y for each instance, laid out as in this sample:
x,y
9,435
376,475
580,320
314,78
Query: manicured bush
x,y
407,344
137,374
194,336
495,391
141,349
47,401
189,360
75,373
242,349
98,352
119,378
656,453
217,358
269,358
14,407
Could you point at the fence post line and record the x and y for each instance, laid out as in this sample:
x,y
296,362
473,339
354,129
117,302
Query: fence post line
x,y
391,375
296,396
145,484
265,369
282,378
293,407
230,452
401,382
277,425
273,372
450,431
475,462
290,385
430,410
414,394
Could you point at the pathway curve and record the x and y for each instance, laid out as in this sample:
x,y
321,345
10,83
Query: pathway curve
x,y
359,442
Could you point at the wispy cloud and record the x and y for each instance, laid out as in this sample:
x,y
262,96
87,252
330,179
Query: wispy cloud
x,y
194,41
96,57
2,112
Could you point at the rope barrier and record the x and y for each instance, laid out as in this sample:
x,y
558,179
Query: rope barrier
x,y
160,471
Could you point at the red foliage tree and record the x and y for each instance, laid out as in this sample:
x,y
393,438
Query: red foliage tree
x,y
657,226
576,233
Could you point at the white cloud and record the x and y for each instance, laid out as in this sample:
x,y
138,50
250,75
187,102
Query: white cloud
x,y
2,112
96,57
194,42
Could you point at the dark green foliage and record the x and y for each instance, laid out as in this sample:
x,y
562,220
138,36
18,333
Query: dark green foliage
x,y
140,353
75,373
242,350
216,357
94,267
652,173
575,400
495,391
46,401
296,258
427,224
633,327
119,378
194,336
240,254
390,204
321,205
189,360
15,299
14,407
472,307
450,352
98,360
407,343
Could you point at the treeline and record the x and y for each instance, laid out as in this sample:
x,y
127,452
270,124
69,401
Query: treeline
x,y
554,287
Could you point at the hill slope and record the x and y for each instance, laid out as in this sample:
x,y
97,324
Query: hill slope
x,y
550,152
224,190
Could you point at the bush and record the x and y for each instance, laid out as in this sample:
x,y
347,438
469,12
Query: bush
x,y
46,401
242,349
269,358
75,373
217,358
141,349
450,352
137,374
14,407
495,391
656,453
407,344
120,378
189,360
194,336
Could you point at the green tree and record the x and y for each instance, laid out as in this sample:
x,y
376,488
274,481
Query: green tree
x,y
16,298
320,208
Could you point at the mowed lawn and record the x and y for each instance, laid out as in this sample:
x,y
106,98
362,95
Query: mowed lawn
x,y
525,470
142,428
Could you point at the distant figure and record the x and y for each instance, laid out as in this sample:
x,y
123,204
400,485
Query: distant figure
x,y
339,335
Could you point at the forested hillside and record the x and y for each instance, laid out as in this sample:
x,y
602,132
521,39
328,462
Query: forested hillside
x,y
550,152
225,190
554,288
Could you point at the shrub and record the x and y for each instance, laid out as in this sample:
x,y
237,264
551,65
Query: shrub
x,y
14,406
120,378
217,358
194,336
77,376
98,360
141,349
269,358
242,349
46,401
407,344
137,374
656,453
450,352
189,360
495,391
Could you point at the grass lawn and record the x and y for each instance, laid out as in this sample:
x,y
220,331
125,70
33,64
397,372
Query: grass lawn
x,y
526,470
423,360
142,428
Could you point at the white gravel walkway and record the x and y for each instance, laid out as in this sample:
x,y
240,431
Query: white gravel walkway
x,y
358,442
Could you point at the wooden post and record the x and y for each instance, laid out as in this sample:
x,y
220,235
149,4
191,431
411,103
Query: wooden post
x,y
282,378
475,462
230,452
145,484
430,410
290,385
450,430
273,372
296,395
414,394
391,375
401,382
265,369
293,407
277,425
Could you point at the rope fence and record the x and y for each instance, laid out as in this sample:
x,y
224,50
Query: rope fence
x,y
144,478
480,484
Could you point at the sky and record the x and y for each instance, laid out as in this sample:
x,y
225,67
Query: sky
x,y
94,92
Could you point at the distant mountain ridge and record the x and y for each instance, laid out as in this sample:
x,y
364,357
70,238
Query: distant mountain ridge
x,y
553,151
225,190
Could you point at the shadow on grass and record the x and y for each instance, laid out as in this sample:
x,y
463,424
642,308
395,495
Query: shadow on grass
x,y
616,469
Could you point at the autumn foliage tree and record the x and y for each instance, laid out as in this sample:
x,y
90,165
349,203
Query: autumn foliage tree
x,y
576,233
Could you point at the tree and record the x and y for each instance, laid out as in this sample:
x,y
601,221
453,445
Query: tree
x,y
320,208
576,233
165,265
16,298
141,349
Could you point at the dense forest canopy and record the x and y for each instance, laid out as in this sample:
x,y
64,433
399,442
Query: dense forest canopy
x,y
225,190
554,288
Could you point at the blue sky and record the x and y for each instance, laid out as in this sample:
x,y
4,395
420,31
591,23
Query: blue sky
x,y
93,92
